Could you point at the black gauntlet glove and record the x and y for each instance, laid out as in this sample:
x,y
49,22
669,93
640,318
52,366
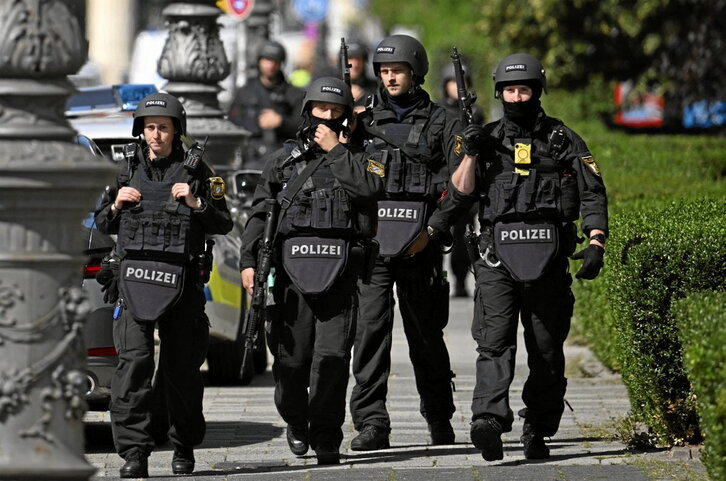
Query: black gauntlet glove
x,y
474,139
593,261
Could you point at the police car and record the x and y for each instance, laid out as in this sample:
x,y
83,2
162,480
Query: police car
x,y
103,117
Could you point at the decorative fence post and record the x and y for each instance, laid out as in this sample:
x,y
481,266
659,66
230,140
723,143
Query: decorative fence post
x,y
47,186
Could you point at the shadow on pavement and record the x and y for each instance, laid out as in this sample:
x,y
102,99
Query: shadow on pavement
x,y
259,380
219,435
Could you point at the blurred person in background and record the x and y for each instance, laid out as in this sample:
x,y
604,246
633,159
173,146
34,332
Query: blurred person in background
x,y
267,106
361,85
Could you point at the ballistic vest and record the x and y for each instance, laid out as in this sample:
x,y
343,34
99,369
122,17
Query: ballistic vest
x,y
545,188
321,207
412,172
159,226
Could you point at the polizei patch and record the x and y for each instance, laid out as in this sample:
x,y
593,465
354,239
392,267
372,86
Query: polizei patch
x,y
315,250
331,89
398,213
152,276
384,49
515,66
155,103
526,235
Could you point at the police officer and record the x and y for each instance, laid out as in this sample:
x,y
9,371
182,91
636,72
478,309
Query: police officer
x,y
449,94
416,141
162,206
326,212
362,85
533,177
460,263
266,106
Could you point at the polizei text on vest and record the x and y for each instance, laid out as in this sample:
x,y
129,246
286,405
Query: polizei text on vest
x,y
397,213
315,250
150,275
536,234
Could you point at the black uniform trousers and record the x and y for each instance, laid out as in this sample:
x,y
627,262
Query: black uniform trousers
x,y
545,309
310,338
423,294
184,338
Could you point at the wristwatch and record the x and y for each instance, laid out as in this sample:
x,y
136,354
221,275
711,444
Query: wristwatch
x,y
599,238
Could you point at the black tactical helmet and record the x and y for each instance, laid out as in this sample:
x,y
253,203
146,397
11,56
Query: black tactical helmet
x,y
518,67
160,105
448,73
356,48
271,50
402,48
328,89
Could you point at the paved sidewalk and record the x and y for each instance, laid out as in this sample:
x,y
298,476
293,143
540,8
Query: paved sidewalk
x,y
246,438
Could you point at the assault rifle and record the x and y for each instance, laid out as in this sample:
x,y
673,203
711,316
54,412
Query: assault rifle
x,y
345,75
466,99
256,314
344,65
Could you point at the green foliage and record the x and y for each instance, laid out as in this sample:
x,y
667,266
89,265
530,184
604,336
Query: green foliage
x,y
676,43
657,256
640,169
700,318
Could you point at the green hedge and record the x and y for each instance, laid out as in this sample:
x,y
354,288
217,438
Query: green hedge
x,y
702,330
654,256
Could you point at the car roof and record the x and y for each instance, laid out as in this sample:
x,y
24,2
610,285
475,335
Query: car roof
x,y
113,126
104,99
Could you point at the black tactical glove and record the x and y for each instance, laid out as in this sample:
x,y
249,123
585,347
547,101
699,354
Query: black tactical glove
x,y
443,239
474,139
110,291
593,261
108,278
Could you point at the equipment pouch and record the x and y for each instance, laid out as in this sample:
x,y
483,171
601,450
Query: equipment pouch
x,y
546,194
526,248
150,288
399,223
417,178
314,263
322,217
342,216
395,173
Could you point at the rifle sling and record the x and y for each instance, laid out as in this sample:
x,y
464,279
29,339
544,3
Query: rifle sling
x,y
295,187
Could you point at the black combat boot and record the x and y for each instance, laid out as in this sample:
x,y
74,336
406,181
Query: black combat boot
x,y
486,434
534,445
297,439
371,438
327,453
183,461
441,432
136,466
